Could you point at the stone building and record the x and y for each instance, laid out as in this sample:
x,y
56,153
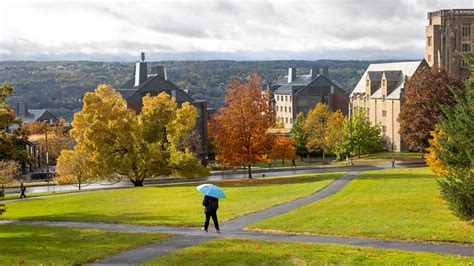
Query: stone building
x,y
155,82
380,92
450,36
300,93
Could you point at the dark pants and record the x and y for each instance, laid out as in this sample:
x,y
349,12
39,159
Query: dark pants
x,y
214,219
23,195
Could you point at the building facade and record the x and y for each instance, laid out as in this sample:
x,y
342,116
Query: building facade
x,y
300,93
450,36
155,82
380,92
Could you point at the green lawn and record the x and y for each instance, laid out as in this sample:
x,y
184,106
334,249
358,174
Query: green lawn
x,y
400,204
249,252
44,245
167,205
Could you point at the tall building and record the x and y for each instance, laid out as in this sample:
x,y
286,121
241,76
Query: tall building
x,y
380,92
155,82
300,93
449,36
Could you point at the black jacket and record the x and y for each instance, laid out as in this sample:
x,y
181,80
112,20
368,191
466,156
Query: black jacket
x,y
210,204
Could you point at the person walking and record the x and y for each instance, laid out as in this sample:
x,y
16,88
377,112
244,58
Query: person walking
x,y
293,163
211,205
393,163
22,190
2,192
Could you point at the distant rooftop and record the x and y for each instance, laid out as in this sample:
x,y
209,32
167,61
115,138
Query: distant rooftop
x,y
451,12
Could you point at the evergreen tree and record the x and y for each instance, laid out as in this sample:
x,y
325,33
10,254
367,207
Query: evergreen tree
x,y
456,150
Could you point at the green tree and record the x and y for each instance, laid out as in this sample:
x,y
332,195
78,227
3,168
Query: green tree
x,y
136,146
315,127
455,148
299,135
365,137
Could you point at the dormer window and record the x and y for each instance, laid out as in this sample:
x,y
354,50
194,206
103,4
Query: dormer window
x,y
384,82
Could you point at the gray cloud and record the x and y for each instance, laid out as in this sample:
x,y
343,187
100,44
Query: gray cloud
x,y
343,29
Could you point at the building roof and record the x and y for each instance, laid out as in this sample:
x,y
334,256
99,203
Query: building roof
x,y
128,92
35,115
394,72
297,85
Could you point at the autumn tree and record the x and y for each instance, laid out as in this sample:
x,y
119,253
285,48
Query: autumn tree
x,y
425,93
241,125
455,149
315,127
119,142
283,148
436,164
73,168
8,149
299,135
360,134
334,133
8,170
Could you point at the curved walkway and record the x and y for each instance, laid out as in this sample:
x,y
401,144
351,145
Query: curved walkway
x,y
185,237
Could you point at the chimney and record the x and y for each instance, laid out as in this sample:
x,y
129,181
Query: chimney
x,y
141,71
326,71
158,71
21,109
291,74
314,71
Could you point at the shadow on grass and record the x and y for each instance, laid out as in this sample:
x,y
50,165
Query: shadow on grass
x,y
397,174
267,181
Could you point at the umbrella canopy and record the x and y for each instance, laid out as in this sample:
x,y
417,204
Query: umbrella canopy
x,y
211,190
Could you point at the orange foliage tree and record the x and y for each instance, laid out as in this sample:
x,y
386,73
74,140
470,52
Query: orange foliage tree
x,y
283,148
240,129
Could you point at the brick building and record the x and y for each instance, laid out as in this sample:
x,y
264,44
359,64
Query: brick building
x,y
300,93
155,82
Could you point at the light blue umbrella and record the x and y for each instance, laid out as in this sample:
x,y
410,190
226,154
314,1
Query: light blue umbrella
x,y
211,190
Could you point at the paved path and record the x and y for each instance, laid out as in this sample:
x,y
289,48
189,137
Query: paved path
x,y
185,237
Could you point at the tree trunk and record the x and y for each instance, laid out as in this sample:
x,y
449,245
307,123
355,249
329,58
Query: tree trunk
x,y
302,158
79,185
250,171
137,183
324,157
358,151
283,162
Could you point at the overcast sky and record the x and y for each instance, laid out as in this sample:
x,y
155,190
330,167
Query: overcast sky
x,y
238,30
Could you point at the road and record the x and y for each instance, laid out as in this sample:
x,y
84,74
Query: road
x,y
213,177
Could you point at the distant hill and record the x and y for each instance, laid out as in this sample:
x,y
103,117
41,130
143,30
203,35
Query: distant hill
x,y
60,85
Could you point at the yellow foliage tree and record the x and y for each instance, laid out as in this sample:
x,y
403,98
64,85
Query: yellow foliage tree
x,y
120,143
283,148
73,167
315,127
436,164
8,169
334,133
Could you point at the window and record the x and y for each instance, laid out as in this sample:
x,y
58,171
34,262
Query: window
x,y
290,98
466,47
466,30
428,41
464,64
285,109
289,109
384,129
384,82
286,119
429,58
384,113
383,98
291,120
286,98
281,108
